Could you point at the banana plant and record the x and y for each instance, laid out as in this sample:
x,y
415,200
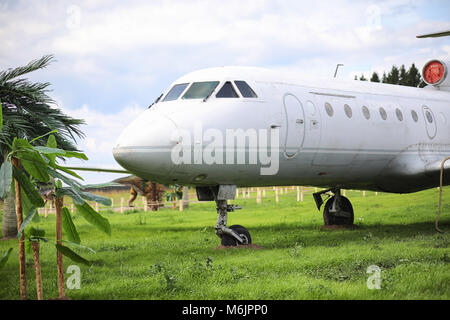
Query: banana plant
x,y
25,168
175,193
5,258
33,238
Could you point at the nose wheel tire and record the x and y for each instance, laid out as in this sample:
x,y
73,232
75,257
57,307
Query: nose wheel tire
x,y
343,217
228,240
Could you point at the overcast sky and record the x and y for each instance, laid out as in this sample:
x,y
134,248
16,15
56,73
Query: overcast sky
x,y
113,58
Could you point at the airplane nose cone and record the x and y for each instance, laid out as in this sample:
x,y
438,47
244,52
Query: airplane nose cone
x,y
144,147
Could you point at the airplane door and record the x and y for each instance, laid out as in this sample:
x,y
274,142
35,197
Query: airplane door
x,y
430,122
295,125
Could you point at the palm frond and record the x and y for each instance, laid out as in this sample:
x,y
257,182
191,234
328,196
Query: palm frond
x,y
30,67
28,111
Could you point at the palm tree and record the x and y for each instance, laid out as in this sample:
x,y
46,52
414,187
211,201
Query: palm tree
x,y
28,112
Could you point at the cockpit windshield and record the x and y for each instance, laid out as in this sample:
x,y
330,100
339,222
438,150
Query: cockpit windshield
x,y
245,89
200,90
175,92
227,91
204,89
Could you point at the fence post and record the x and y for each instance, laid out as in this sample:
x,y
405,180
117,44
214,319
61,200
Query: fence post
x,y
276,195
121,205
185,197
258,195
181,205
298,194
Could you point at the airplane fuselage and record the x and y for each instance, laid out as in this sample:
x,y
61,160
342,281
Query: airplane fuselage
x,y
345,134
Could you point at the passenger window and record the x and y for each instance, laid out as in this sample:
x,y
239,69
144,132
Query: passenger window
x,y
348,110
227,91
175,92
399,114
329,109
245,89
383,113
200,90
366,112
414,115
429,116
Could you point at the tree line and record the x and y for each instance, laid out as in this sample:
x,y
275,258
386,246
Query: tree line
x,y
399,76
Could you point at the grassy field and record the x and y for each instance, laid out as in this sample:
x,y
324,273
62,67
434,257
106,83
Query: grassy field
x,y
173,255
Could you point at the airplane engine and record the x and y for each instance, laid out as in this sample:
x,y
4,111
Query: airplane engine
x,y
435,73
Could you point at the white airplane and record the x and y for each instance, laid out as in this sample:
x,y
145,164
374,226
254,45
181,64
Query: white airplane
x,y
227,127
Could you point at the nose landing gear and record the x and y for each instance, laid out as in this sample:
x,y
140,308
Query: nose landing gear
x,y
234,235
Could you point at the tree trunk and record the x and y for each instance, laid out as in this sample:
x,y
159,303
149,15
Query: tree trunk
x,y
37,269
9,223
154,197
19,213
59,256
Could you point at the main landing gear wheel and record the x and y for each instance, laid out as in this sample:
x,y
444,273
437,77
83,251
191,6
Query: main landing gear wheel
x,y
342,214
228,240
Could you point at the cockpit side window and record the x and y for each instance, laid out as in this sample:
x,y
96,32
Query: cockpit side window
x,y
227,91
245,89
200,90
175,92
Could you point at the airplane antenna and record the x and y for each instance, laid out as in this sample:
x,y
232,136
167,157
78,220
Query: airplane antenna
x,y
337,67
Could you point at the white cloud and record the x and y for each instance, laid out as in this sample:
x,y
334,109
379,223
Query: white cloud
x,y
129,51
102,130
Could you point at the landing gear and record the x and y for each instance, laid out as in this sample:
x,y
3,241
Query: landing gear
x,y
334,214
235,235
232,241
337,211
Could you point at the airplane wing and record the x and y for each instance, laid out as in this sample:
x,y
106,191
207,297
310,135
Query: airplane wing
x,y
98,169
131,180
435,34
134,182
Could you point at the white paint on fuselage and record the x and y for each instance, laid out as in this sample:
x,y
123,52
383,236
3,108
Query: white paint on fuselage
x,y
374,154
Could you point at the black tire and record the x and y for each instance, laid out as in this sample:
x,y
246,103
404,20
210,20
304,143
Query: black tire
x,y
232,241
331,219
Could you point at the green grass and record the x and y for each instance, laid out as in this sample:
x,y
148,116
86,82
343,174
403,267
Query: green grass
x,y
172,255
